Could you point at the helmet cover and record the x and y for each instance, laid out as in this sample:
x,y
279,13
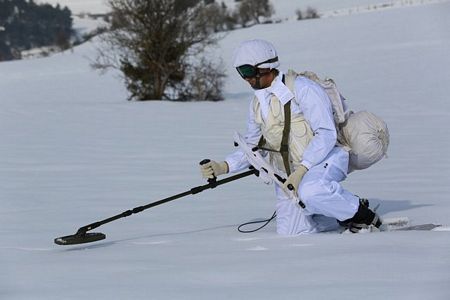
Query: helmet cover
x,y
253,52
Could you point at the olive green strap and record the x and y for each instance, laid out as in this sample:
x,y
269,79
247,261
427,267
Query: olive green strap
x,y
284,148
261,143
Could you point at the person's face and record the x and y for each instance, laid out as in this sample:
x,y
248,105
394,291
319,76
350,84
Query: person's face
x,y
262,80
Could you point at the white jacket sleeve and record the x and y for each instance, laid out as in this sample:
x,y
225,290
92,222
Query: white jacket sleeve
x,y
237,160
315,105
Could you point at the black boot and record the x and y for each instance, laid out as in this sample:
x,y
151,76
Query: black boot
x,y
363,218
364,201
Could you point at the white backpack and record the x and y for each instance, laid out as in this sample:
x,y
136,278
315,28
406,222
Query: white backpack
x,y
363,134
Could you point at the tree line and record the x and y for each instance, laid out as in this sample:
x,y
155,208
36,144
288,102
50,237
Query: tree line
x,y
161,48
25,24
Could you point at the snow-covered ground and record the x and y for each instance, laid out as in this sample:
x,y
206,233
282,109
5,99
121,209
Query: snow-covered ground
x,y
74,151
86,25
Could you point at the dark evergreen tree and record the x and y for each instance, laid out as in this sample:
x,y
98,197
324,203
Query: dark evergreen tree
x,y
25,25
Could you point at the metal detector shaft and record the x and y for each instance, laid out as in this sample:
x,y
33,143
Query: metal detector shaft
x,y
212,184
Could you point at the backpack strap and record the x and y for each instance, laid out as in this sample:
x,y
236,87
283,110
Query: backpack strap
x,y
284,147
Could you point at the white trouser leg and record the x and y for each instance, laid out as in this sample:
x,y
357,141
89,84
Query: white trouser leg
x,y
292,220
321,192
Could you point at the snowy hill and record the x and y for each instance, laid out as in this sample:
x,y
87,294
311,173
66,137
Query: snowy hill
x,y
74,151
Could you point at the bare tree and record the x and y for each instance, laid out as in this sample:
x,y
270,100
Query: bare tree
x,y
221,18
154,42
252,10
204,82
311,13
299,14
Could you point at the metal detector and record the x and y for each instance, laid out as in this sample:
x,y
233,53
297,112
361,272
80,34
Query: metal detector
x,y
83,236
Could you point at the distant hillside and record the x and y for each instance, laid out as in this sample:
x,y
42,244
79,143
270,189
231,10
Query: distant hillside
x,y
25,25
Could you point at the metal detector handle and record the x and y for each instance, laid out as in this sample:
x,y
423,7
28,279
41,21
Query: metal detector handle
x,y
300,202
213,180
291,188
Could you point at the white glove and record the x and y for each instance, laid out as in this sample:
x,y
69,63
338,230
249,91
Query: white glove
x,y
295,178
213,169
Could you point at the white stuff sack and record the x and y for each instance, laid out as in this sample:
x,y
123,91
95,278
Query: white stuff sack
x,y
367,136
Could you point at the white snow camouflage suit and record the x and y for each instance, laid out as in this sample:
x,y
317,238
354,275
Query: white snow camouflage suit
x,y
312,142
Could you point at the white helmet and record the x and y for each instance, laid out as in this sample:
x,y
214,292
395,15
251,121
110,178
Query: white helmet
x,y
256,52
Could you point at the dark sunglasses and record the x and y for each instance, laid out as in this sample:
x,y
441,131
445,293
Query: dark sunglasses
x,y
249,71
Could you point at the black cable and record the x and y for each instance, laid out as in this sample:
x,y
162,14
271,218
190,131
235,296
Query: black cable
x,y
256,222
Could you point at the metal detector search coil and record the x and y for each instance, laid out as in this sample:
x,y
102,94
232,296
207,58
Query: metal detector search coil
x,y
80,238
